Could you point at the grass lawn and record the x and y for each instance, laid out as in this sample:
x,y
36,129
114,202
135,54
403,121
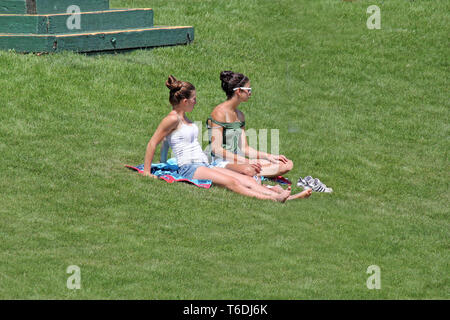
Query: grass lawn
x,y
366,111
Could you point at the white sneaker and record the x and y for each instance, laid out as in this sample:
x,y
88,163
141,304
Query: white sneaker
x,y
302,183
318,186
315,184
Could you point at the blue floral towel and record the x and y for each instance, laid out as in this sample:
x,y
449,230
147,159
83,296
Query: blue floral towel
x,y
168,171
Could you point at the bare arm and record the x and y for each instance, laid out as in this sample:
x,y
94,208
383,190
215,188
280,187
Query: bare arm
x,y
167,125
249,151
255,154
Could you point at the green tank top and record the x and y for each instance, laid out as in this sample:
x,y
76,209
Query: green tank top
x,y
231,135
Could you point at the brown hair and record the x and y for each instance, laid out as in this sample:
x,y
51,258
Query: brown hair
x,y
231,80
179,90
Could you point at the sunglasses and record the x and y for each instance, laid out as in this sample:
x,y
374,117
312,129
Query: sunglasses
x,y
244,88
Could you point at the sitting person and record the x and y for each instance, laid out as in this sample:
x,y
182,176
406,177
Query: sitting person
x,y
181,134
226,127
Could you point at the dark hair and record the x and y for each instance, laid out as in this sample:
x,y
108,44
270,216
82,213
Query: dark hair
x,y
179,90
231,80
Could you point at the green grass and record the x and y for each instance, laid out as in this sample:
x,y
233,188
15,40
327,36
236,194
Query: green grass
x,y
366,111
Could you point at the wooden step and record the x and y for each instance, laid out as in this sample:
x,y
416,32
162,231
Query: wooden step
x,y
50,6
88,21
98,41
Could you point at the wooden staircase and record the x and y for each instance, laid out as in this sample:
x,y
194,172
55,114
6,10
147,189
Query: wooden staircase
x,y
81,26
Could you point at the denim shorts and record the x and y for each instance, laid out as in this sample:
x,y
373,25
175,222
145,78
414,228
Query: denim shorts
x,y
188,170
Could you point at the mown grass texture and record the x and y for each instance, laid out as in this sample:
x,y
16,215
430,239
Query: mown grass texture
x,y
366,111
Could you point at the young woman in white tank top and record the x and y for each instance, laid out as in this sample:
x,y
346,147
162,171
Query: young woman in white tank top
x,y
182,134
185,145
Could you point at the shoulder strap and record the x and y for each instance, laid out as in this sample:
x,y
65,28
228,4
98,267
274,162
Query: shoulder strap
x,y
222,124
226,125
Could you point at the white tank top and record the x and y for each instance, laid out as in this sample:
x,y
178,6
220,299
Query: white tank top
x,y
185,145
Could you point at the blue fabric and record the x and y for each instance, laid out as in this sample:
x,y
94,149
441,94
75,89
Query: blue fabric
x,y
279,179
168,171
188,170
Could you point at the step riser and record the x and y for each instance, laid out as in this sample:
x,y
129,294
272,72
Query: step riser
x,y
98,21
13,6
22,24
49,6
125,40
99,41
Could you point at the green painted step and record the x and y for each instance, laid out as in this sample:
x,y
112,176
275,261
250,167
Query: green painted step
x,y
50,6
89,21
98,41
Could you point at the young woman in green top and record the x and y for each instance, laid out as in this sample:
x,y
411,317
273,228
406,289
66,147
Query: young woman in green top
x,y
226,127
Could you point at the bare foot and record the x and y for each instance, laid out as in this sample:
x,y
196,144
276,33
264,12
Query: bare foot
x,y
283,196
302,195
276,188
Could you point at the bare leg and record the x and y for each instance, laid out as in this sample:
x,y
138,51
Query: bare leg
x,y
241,168
275,188
301,195
248,181
270,169
235,185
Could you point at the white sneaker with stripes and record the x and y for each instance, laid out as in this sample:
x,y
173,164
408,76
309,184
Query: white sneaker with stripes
x,y
315,184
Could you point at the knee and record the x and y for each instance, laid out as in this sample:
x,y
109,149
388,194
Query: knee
x,y
286,167
289,165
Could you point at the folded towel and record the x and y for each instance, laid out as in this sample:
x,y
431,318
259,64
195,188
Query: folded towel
x,y
168,171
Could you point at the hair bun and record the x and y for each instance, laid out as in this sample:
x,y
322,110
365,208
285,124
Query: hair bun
x,y
226,75
179,90
173,84
231,80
